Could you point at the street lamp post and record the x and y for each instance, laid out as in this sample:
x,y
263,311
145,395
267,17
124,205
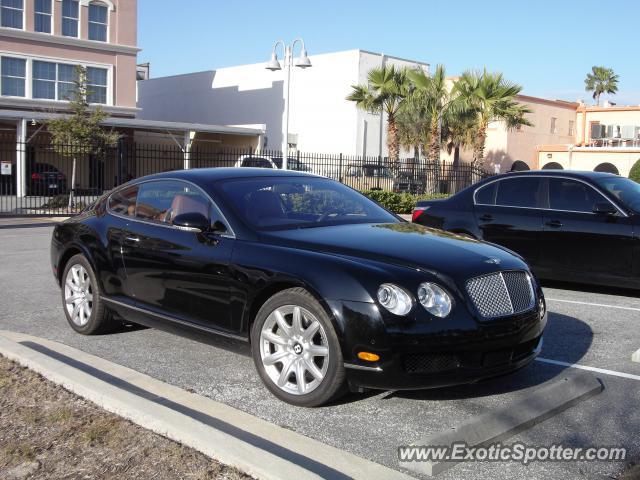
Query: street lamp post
x,y
301,62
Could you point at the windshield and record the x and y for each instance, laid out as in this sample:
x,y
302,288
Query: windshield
x,y
277,203
626,191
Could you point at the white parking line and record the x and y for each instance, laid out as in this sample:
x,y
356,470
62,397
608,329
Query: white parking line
x,y
591,369
634,309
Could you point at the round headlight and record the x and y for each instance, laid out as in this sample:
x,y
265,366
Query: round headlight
x,y
395,299
434,299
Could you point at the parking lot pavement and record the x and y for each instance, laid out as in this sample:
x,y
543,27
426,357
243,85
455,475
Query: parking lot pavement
x,y
585,329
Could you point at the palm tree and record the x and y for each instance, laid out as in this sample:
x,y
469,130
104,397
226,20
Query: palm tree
x,y
413,131
492,98
601,80
430,99
385,91
459,131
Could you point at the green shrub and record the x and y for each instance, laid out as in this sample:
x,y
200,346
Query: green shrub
x,y
634,173
59,201
399,202
62,201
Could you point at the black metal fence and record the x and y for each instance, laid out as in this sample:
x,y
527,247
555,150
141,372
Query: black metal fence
x,y
44,187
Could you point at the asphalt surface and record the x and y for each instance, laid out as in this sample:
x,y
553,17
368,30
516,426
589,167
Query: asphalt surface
x,y
594,328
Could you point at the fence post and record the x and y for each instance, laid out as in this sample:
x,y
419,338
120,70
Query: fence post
x,y
188,140
340,169
119,161
21,156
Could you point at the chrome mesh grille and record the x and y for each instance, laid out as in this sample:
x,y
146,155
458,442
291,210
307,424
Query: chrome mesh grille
x,y
502,293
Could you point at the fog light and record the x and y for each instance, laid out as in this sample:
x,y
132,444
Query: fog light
x,y
368,356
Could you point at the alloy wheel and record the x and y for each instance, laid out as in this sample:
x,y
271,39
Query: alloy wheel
x,y
294,349
78,295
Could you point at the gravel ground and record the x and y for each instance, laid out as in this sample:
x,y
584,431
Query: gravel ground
x,y
372,425
47,432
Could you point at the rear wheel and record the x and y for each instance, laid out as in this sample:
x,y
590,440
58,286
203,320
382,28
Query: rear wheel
x,y
296,350
83,307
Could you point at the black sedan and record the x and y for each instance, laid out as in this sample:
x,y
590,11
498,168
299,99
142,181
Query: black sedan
x,y
571,226
329,290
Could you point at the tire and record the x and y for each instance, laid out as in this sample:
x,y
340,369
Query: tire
x,y
276,346
87,314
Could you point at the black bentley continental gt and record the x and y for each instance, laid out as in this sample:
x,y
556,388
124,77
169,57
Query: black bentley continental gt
x,y
329,290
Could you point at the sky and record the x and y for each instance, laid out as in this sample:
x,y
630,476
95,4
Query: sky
x,y
548,47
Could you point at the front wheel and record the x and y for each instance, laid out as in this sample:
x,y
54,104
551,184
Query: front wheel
x,y
296,350
83,307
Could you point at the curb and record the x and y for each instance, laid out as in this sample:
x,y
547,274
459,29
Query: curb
x,y
255,446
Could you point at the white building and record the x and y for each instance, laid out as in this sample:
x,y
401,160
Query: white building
x,y
321,119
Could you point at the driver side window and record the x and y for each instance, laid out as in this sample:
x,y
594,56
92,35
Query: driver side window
x,y
163,200
572,196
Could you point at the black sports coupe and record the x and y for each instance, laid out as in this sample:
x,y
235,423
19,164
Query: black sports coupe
x,y
329,290
568,225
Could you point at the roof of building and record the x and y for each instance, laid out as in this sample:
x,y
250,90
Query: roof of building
x,y
546,101
150,125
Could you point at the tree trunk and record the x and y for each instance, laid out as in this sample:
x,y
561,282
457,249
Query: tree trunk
x,y
392,141
598,99
73,185
478,146
434,143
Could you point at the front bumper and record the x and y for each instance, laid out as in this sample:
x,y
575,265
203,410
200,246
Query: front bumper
x,y
418,354
443,369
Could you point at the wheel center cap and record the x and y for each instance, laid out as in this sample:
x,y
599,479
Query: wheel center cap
x,y
297,348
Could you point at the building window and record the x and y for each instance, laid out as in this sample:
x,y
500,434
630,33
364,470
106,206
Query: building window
x,y
70,15
44,80
571,128
554,128
67,76
98,20
97,85
42,18
53,81
11,13
50,80
12,76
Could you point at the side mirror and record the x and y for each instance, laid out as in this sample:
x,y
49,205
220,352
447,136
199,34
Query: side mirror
x,y
219,227
192,222
604,208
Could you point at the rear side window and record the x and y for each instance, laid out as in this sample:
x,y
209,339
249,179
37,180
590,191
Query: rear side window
x,y
486,195
519,192
164,200
123,202
573,196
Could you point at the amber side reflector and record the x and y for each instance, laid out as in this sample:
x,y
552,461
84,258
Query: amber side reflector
x,y
369,357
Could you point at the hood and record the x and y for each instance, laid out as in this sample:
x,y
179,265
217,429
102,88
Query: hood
x,y
405,244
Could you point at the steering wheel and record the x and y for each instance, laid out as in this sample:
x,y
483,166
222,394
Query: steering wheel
x,y
336,212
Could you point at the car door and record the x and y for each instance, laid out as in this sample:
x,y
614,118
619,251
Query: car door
x,y
121,206
173,271
578,242
508,212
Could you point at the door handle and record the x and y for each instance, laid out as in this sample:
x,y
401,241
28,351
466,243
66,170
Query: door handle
x,y
486,218
554,224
